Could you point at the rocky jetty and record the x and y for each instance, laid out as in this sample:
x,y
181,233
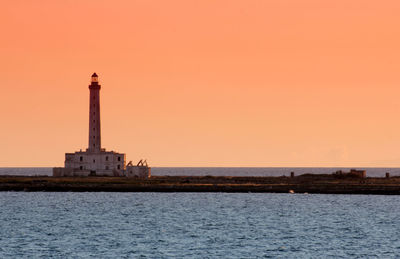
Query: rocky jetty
x,y
309,183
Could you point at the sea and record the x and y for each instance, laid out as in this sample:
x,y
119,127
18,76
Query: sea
x,y
198,225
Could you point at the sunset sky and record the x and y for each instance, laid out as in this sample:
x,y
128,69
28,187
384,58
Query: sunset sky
x,y
203,83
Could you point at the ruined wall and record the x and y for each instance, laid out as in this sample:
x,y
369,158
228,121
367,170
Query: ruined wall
x,y
138,171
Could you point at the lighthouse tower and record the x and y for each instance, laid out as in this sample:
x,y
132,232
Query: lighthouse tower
x,y
96,161
94,116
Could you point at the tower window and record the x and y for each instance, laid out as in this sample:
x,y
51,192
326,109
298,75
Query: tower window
x,y
81,158
94,161
106,158
119,167
119,159
81,167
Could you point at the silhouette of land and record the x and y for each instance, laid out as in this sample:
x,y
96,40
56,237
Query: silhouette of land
x,y
329,184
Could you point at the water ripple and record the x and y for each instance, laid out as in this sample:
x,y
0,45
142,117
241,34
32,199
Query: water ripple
x,y
198,225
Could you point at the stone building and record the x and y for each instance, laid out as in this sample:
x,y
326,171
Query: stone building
x,y
96,160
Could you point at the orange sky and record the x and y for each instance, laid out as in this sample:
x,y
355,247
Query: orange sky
x,y
203,83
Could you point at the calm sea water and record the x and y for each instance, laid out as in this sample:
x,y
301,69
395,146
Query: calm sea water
x,y
220,171
198,225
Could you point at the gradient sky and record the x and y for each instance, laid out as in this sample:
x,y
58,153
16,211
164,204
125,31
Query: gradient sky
x,y
203,83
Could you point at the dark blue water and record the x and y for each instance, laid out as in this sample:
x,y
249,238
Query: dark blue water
x,y
191,225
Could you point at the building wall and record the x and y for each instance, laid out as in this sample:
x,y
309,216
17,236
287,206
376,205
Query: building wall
x,y
69,172
102,161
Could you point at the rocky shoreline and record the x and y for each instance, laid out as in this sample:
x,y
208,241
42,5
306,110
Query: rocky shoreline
x,y
324,184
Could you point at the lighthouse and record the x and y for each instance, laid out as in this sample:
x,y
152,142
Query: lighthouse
x,y
96,161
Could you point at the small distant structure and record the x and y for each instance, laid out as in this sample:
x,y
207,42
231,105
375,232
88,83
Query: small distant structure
x,y
141,170
96,161
354,173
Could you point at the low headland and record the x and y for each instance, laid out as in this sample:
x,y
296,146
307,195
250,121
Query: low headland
x,y
307,183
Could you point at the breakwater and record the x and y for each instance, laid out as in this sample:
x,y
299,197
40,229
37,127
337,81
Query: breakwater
x,y
328,184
